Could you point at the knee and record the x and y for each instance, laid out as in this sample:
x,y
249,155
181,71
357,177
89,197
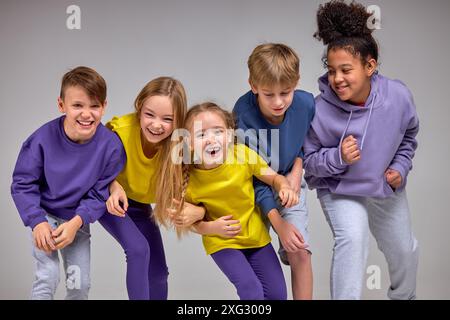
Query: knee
x,y
354,240
138,251
250,289
301,257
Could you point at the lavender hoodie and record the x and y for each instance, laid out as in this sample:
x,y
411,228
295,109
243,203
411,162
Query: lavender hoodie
x,y
385,128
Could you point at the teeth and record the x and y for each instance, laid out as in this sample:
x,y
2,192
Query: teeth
x,y
85,123
212,149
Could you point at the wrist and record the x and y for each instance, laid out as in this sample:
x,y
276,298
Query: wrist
x,y
77,221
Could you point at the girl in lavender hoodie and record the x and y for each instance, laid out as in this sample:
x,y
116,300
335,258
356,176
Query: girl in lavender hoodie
x,y
358,153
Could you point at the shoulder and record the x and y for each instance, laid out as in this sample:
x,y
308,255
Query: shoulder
x,y
43,133
122,122
304,101
244,103
395,87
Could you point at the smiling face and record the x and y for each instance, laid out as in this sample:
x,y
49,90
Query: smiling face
x,y
348,76
83,114
209,138
274,101
156,119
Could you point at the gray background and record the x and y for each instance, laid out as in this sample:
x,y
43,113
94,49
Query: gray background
x,y
205,44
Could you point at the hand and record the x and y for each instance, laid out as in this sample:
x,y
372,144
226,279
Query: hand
x,y
290,237
350,150
225,227
294,180
117,195
65,233
393,178
288,196
42,235
188,215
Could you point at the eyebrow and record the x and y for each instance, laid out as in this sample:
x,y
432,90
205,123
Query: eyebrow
x,y
215,127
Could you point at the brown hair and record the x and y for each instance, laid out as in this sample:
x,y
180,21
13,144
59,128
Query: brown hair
x,y
88,79
274,63
178,183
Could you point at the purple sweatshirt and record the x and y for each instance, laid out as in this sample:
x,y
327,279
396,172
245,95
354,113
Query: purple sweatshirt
x,y
385,127
57,176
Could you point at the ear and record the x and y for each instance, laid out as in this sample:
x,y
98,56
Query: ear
x,y
61,105
105,104
253,87
371,67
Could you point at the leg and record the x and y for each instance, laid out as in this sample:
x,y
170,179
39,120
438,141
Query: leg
x,y
136,250
347,217
77,265
264,262
390,224
238,270
300,262
46,274
158,271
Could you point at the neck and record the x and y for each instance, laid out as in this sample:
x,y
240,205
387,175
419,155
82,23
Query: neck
x,y
361,99
149,149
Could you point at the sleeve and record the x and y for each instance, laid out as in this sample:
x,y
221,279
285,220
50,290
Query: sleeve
x,y
402,161
311,105
92,206
319,161
25,187
264,196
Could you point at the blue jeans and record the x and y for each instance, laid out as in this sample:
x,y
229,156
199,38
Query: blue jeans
x,y
350,219
76,258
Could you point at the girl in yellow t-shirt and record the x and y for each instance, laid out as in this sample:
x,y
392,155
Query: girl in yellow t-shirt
x,y
146,136
221,180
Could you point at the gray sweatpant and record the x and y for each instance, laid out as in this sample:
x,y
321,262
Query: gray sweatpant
x,y
350,219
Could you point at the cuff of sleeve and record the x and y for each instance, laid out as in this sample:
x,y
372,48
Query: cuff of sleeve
x,y
36,221
84,216
398,167
267,204
337,161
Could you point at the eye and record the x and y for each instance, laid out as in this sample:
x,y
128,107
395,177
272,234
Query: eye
x,y
199,135
218,132
149,115
331,72
95,106
168,120
346,71
285,93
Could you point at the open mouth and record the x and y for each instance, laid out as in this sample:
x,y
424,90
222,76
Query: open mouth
x,y
213,151
85,124
155,133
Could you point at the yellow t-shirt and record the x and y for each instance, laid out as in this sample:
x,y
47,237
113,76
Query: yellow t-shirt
x,y
228,190
138,178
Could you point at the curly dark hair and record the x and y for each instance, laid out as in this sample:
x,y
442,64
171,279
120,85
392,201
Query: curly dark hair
x,y
344,26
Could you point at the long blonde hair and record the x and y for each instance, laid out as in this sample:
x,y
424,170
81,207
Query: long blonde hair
x,y
172,88
179,183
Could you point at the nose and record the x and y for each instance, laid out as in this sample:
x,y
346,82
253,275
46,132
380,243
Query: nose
x,y
338,78
278,101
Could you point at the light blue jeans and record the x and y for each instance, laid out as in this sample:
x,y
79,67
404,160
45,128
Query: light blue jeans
x,y
76,258
350,219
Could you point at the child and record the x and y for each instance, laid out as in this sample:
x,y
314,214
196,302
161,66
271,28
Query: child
x,y
146,133
358,153
222,181
60,183
276,117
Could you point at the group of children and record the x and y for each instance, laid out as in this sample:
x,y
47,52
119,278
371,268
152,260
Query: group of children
x,y
230,176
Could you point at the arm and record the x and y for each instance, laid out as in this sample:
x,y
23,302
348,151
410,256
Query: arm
x,y
402,162
320,161
295,175
188,215
25,187
287,195
224,226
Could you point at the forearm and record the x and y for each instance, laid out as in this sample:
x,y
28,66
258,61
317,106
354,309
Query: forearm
x,y
280,182
275,219
202,227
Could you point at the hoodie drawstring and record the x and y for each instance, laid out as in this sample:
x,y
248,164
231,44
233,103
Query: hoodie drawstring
x,y
367,121
343,135
366,126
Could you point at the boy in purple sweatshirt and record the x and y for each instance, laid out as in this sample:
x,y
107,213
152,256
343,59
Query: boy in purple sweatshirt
x,y
359,152
60,183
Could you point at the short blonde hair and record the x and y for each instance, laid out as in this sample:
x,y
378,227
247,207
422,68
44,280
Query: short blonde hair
x,y
272,64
